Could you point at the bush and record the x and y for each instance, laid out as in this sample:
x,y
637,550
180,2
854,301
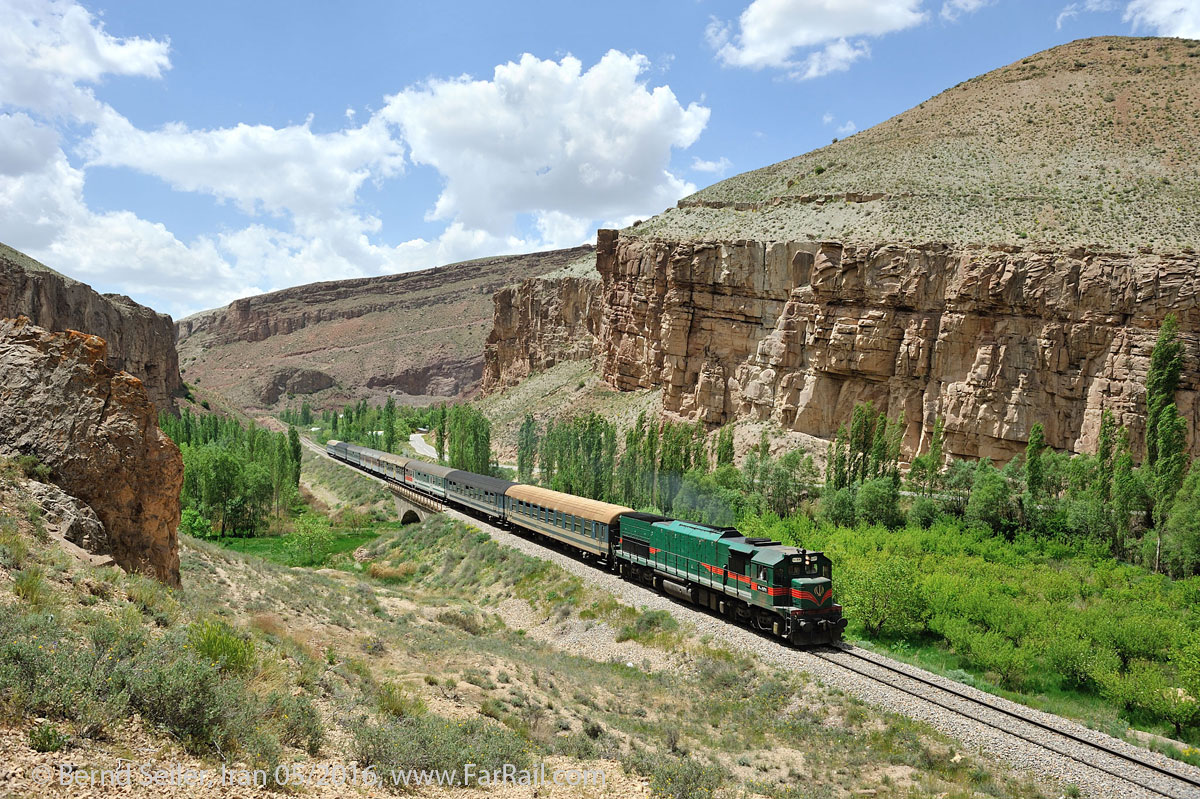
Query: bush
x,y
33,468
647,625
924,512
881,591
837,508
394,700
48,738
310,543
878,502
191,700
434,743
222,646
298,720
467,622
30,585
680,777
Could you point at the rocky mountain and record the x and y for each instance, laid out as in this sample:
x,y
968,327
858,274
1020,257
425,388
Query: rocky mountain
x,y
140,340
419,335
97,430
1001,255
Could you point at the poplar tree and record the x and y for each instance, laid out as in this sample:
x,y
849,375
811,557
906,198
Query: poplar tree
x,y
1162,380
527,447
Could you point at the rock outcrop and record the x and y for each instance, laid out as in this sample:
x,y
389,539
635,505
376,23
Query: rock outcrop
x,y
97,430
292,381
419,334
541,322
140,340
993,340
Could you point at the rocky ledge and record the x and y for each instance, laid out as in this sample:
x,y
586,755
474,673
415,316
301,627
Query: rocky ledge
x,y
140,340
97,430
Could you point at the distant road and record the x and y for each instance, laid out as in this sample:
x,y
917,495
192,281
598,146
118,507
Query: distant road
x,y
418,443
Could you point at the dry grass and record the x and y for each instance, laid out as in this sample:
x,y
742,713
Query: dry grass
x,y
1092,143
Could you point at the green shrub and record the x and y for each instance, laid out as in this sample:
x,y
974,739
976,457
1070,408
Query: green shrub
x,y
837,508
221,645
189,698
153,598
30,585
924,512
14,549
648,625
679,777
394,700
310,543
298,720
882,592
431,743
33,468
48,738
466,622
878,502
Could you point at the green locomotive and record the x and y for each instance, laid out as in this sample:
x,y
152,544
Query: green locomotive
x,y
785,591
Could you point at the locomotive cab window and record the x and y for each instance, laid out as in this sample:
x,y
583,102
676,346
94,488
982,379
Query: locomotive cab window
x,y
762,574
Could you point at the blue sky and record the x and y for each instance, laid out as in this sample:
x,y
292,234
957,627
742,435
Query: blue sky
x,y
189,154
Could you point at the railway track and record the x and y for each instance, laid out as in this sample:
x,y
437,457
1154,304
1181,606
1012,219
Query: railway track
x,y
1133,767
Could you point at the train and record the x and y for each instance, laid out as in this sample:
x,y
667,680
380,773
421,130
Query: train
x,y
783,591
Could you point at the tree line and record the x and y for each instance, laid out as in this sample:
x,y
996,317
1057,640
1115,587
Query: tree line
x,y
236,477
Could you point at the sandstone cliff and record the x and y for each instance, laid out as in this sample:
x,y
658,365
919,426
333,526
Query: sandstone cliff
x,y
991,339
540,323
140,340
937,264
97,430
419,334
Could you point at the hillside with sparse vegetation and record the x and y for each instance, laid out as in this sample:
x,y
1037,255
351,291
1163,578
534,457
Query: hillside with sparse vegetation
x,y
1096,142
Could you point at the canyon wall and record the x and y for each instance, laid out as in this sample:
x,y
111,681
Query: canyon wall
x,y
97,430
140,340
993,340
539,323
418,336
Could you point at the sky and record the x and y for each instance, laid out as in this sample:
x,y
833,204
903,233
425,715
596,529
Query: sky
x,y
187,154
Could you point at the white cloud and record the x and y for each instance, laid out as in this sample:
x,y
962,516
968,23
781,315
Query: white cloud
x,y
770,32
1166,17
718,167
543,147
259,167
953,9
1074,9
835,57
827,118
49,47
847,128
545,136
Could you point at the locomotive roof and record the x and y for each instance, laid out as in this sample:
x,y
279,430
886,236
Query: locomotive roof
x,y
648,517
704,531
429,468
577,506
480,481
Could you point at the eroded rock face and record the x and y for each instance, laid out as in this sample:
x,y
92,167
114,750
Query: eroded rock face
x,y
292,381
993,340
140,340
541,322
97,430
